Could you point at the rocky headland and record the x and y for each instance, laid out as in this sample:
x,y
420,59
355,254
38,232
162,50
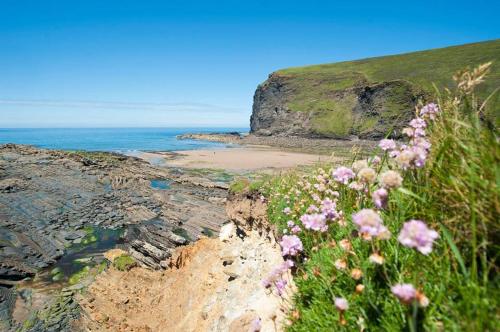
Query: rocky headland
x,y
289,143
365,99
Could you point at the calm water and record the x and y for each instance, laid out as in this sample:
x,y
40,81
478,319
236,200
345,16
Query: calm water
x,y
111,139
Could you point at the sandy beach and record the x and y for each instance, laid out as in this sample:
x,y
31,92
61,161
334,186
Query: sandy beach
x,y
236,159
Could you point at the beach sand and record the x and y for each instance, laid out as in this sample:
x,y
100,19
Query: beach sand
x,y
236,159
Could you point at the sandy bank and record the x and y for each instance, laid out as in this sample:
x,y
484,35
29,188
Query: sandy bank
x,y
237,159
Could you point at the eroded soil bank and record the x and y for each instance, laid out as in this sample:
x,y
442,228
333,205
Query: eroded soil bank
x,y
212,285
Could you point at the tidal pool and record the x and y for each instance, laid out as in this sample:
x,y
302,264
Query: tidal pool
x,y
81,256
160,184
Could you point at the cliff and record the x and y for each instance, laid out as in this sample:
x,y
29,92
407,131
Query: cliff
x,y
365,98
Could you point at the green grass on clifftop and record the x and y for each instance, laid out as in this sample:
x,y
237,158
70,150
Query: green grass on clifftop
x,y
321,88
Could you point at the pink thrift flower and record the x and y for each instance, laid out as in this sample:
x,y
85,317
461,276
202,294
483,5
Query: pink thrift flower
x,y
406,293
343,174
369,223
315,222
341,304
394,153
290,245
287,210
277,272
422,143
410,132
295,229
329,209
420,156
280,286
429,111
374,161
387,144
415,234
418,123
312,208
356,186
419,132
380,197
290,223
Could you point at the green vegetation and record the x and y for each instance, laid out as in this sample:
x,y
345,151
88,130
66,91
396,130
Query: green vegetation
x,y
111,158
182,232
79,276
456,194
249,183
217,175
208,232
90,236
327,91
124,262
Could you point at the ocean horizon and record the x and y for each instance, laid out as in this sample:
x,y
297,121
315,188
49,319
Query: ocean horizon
x,y
122,140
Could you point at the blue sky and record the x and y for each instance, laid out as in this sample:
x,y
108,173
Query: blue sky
x,y
196,63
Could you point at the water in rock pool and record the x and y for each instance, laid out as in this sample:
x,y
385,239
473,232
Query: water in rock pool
x,y
79,257
160,184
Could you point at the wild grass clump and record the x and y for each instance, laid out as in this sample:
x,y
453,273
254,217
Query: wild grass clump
x,y
406,240
124,262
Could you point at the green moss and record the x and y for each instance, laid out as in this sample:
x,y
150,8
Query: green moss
x,y
90,237
239,185
208,232
79,276
124,262
102,266
182,232
28,324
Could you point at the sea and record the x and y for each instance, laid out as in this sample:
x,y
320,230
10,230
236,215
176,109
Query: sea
x,y
121,140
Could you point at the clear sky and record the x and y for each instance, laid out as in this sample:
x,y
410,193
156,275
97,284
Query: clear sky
x,y
108,63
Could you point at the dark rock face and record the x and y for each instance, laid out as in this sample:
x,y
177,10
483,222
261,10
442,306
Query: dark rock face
x,y
270,112
281,107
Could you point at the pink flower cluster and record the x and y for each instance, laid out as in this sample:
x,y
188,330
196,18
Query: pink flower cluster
x,y
276,277
415,153
370,224
329,209
315,222
290,245
406,293
416,234
343,175
429,111
380,197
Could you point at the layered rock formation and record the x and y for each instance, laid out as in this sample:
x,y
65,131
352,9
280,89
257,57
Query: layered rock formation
x,y
51,202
